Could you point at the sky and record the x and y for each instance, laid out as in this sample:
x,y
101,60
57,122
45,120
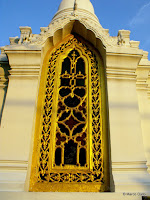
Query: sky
x,y
133,15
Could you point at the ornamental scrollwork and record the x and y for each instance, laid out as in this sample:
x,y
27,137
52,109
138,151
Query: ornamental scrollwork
x,y
77,155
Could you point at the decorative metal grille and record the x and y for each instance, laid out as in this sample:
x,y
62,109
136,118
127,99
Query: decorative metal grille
x,y
77,155
71,131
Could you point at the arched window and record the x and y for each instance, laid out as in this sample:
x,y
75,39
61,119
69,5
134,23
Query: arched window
x,y
68,152
71,128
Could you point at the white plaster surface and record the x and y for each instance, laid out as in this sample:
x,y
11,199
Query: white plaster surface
x,y
144,105
125,127
17,119
82,4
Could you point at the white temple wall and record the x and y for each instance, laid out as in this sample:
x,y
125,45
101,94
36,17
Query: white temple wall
x,y
18,113
127,149
125,126
15,139
143,91
17,118
144,105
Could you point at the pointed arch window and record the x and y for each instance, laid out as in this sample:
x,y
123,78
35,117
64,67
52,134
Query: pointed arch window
x,y
68,144
71,129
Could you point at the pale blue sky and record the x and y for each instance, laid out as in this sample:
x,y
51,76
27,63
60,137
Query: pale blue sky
x,y
133,15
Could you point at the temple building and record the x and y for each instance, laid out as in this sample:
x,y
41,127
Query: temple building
x,y
74,111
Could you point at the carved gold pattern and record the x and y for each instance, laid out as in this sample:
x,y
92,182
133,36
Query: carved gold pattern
x,y
44,169
71,130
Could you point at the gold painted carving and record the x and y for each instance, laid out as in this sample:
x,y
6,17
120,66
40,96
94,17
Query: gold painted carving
x,y
60,122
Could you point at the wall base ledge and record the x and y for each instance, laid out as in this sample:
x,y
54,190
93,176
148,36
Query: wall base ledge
x,y
70,196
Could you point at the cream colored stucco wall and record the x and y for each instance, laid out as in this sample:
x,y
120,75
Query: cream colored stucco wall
x,y
17,118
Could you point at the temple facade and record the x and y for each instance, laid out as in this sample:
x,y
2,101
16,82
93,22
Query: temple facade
x,y
74,111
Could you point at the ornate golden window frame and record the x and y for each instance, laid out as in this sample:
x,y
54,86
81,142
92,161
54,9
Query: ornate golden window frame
x,y
44,177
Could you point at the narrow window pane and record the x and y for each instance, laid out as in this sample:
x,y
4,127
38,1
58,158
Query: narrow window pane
x,y
82,157
58,156
80,66
70,153
66,66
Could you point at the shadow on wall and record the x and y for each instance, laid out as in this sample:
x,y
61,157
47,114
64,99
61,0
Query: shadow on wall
x,y
4,73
